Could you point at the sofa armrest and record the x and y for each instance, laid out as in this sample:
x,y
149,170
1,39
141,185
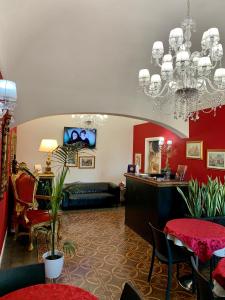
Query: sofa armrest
x,y
65,200
115,190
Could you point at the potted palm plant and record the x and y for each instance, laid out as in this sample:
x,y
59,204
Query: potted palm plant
x,y
54,258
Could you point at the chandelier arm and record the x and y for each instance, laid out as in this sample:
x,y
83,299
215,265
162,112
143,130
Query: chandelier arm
x,y
163,92
215,89
158,63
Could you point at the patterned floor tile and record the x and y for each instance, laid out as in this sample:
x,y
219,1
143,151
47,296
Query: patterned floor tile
x,y
108,254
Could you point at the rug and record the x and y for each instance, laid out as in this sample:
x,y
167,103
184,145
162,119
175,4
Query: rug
x,y
108,254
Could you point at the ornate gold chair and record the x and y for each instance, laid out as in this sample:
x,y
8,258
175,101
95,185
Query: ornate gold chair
x,y
27,216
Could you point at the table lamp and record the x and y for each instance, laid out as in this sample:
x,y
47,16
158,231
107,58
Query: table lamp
x,y
48,145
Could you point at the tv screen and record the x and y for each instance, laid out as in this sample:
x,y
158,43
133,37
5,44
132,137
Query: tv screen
x,y
73,135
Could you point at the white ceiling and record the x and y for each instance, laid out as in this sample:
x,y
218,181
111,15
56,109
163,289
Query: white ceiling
x,y
71,56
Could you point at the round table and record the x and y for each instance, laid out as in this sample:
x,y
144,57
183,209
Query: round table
x,y
50,292
218,276
204,238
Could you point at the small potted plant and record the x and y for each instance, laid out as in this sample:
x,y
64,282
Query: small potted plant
x,y
54,258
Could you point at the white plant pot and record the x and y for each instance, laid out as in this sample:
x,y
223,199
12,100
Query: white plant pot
x,y
53,267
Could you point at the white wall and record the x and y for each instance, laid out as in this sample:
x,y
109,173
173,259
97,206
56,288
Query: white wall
x,y
113,147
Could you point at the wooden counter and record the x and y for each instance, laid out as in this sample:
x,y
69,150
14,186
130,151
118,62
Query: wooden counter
x,y
150,200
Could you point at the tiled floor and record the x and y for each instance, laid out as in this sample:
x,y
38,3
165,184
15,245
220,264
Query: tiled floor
x,y
108,254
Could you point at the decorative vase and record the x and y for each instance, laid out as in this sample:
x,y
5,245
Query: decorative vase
x,y
53,267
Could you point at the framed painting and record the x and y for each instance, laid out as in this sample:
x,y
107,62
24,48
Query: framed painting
x,y
72,159
216,159
137,160
87,162
194,150
4,154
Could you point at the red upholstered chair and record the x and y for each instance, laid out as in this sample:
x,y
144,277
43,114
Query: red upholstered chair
x,y
27,216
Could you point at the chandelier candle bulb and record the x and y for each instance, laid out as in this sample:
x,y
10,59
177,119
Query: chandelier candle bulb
x,y
144,77
157,50
219,78
176,37
167,58
213,34
182,56
217,52
156,78
167,70
204,61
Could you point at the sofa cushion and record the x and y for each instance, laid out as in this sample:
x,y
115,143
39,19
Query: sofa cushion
x,y
90,196
86,187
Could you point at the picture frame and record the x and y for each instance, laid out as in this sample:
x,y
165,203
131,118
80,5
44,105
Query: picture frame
x,y
131,168
194,150
86,162
216,159
72,159
38,168
4,135
137,160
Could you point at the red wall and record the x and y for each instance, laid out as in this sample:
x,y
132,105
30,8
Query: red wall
x,y
209,129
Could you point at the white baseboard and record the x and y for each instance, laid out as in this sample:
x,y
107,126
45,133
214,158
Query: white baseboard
x,y
3,248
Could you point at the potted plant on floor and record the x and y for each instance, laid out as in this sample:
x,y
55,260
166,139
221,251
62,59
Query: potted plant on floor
x,y
207,200
54,258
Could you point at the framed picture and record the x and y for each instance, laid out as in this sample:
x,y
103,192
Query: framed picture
x,y
86,162
194,149
131,169
4,136
38,168
216,159
72,159
137,160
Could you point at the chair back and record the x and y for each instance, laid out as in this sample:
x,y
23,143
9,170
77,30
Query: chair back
x,y
160,242
129,293
24,186
20,277
204,290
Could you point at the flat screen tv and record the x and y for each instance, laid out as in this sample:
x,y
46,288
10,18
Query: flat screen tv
x,y
73,135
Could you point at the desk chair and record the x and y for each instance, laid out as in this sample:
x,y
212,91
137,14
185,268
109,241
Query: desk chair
x,y
20,277
129,293
167,253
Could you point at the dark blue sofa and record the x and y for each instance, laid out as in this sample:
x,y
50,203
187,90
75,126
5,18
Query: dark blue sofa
x,y
90,194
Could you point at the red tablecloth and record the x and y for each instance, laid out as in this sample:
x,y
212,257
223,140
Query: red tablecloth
x,y
202,237
50,292
219,273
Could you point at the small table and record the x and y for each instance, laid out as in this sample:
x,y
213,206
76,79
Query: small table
x,y
50,292
204,238
218,276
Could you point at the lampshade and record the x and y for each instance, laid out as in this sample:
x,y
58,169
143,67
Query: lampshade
x,y
157,49
144,74
8,90
48,145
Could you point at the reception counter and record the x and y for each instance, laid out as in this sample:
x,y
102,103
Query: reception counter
x,y
152,200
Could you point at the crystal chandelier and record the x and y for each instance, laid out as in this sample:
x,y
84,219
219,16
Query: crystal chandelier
x,y
8,96
90,120
187,78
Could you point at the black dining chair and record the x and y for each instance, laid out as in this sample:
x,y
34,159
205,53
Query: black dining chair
x,y
203,286
20,277
129,293
167,253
